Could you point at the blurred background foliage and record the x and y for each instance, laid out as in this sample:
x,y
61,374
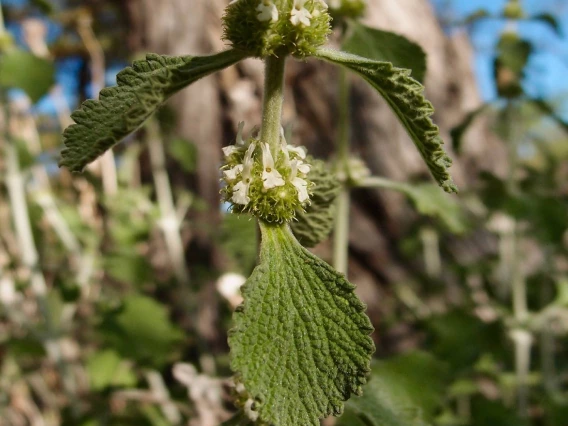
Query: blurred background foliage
x,y
117,285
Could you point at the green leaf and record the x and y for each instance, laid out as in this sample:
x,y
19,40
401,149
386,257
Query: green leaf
x,y
459,131
430,201
549,111
313,225
22,70
406,98
476,16
106,369
185,153
548,19
142,331
402,391
301,342
386,46
121,110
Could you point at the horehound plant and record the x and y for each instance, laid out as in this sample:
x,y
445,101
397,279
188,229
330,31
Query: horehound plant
x,y
300,346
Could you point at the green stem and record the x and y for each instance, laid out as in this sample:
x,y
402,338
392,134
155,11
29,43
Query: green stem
x,y
518,282
341,226
273,100
2,26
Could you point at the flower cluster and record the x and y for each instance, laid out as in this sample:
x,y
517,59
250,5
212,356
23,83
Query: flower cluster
x,y
274,27
269,185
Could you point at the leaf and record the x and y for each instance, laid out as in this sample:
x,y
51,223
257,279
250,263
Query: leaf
x,y
403,391
142,331
385,46
106,369
406,98
476,16
313,225
459,131
430,201
121,110
185,153
22,70
301,342
549,111
548,19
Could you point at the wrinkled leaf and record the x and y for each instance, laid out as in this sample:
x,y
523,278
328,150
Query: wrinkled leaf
x,y
385,46
313,225
141,90
301,343
406,98
23,70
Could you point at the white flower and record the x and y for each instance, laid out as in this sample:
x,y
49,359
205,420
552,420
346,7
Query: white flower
x,y
240,193
240,140
302,187
301,166
299,14
267,11
298,150
270,176
323,4
232,174
230,150
240,190
300,184
233,1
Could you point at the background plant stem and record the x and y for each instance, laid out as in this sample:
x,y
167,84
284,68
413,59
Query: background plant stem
x,y
341,227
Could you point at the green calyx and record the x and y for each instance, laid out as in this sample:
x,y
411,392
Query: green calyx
x,y
346,9
264,28
272,186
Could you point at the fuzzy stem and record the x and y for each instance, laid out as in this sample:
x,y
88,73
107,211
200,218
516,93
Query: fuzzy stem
x,y
273,100
343,203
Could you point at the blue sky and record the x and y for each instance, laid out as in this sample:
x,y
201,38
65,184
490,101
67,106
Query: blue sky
x,y
548,69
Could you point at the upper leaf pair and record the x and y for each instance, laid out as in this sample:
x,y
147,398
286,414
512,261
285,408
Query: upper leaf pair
x,y
147,84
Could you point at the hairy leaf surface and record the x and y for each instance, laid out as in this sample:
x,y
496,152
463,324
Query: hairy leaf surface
x,y
313,225
141,89
386,46
406,98
301,343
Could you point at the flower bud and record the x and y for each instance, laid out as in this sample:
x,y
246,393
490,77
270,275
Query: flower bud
x,y
277,27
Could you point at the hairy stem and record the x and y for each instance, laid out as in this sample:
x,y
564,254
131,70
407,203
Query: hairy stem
x,y
273,100
341,227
